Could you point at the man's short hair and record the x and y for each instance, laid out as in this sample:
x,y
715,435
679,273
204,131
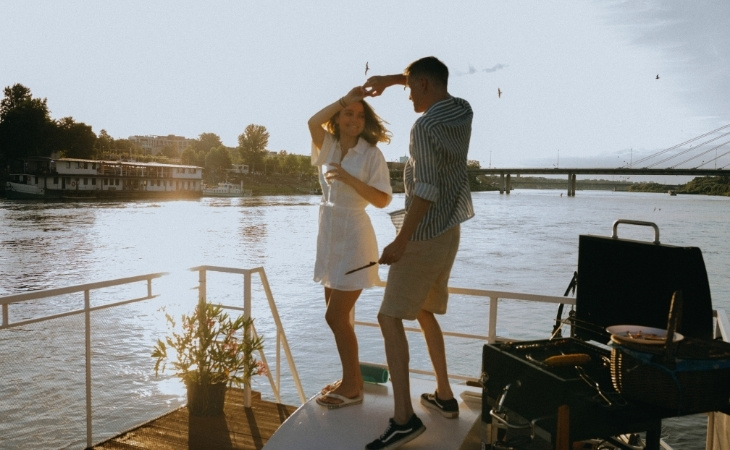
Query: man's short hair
x,y
429,67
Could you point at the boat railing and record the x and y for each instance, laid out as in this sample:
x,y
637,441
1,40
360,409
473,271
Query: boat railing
x,y
495,298
96,290
721,331
86,311
281,341
490,334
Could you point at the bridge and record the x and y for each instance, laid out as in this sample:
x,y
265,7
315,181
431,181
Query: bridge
x,y
691,152
572,173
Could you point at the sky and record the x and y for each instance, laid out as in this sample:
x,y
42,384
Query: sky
x,y
578,78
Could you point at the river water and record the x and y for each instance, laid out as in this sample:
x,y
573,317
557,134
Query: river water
x,y
526,241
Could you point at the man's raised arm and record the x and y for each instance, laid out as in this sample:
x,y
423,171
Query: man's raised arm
x,y
375,85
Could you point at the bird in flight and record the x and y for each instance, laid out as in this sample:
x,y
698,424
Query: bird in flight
x,y
499,93
657,76
366,68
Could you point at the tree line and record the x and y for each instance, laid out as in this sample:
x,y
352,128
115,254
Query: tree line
x,y
27,130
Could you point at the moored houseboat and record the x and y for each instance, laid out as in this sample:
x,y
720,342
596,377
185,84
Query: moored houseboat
x,y
71,178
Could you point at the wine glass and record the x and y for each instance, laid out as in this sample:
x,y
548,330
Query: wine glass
x,y
329,178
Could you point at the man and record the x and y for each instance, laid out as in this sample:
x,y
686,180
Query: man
x,y
438,199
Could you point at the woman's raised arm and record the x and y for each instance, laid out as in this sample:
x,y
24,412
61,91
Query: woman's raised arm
x,y
323,115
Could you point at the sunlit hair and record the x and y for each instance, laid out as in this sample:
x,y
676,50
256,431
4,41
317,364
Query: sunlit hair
x,y
429,67
374,130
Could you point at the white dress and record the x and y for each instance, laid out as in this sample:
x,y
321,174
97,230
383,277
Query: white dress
x,y
346,238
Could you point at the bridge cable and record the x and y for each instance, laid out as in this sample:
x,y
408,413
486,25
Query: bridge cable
x,y
646,158
704,163
688,150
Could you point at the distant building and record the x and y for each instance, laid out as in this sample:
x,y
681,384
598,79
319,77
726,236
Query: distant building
x,y
238,169
153,145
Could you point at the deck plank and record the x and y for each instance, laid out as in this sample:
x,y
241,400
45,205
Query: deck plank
x,y
237,428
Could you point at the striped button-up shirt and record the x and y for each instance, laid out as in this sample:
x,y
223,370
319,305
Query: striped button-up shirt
x,y
436,169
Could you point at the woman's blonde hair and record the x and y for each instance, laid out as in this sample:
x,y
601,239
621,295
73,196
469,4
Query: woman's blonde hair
x,y
374,130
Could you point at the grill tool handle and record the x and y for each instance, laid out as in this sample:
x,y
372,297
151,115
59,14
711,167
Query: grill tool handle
x,y
614,235
675,318
500,415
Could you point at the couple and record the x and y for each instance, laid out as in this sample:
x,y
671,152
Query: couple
x,y
438,199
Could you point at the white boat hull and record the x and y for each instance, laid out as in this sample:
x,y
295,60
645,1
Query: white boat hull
x,y
226,190
313,426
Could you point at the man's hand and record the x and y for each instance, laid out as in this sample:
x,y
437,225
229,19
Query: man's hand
x,y
393,252
375,85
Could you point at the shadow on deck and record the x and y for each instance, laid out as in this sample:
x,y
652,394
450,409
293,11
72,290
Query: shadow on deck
x,y
237,428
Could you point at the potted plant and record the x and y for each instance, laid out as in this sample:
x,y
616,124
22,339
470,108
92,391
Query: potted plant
x,y
213,351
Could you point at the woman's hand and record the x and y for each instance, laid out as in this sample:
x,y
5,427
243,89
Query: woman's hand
x,y
375,197
355,95
337,173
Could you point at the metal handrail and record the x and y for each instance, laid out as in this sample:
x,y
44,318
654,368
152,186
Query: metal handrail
x,y
281,340
495,297
86,289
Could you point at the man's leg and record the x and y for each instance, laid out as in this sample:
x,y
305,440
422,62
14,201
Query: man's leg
x,y
397,355
437,351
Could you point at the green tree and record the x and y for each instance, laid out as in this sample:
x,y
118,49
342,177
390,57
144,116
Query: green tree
x,y
473,181
291,164
206,142
26,128
191,157
104,144
708,186
169,151
126,148
75,140
252,146
217,162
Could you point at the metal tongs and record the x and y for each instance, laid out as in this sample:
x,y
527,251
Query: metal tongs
x,y
593,383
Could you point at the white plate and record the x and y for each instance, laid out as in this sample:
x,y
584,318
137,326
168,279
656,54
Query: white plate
x,y
641,335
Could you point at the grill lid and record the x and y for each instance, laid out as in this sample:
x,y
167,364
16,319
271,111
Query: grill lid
x,y
624,281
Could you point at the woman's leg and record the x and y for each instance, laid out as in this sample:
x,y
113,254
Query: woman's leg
x,y
339,306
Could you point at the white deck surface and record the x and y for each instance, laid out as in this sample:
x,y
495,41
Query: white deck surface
x,y
315,427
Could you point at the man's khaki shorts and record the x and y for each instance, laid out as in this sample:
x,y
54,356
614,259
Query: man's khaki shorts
x,y
419,280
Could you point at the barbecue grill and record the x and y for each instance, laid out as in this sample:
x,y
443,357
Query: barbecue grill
x,y
562,388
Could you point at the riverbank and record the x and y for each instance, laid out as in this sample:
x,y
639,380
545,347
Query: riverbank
x,y
307,184
297,185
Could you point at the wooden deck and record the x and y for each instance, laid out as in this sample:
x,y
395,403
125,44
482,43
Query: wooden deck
x,y
237,428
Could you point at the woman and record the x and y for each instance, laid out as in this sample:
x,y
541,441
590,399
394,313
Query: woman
x,y
353,174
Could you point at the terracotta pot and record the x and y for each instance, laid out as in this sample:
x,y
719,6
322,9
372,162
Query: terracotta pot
x,y
206,400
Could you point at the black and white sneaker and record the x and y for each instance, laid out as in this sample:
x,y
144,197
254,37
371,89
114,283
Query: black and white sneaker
x,y
396,435
447,408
